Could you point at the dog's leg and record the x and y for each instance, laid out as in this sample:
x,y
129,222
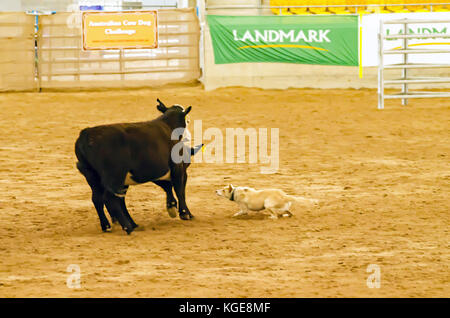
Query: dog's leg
x,y
243,211
285,211
240,213
273,213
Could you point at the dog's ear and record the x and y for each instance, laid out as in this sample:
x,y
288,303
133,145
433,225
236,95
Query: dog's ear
x,y
230,187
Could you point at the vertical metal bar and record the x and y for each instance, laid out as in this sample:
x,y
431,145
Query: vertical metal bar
x,y
50,53
37,52
360,46
122,74
380,67
405,61
78,76
201,7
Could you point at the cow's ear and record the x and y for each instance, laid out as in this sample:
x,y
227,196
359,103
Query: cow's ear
x,y
187,110
161,107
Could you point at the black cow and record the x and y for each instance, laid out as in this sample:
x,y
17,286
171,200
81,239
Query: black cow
x,y
113,157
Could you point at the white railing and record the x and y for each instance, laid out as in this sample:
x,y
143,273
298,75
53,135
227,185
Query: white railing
x,y
405,66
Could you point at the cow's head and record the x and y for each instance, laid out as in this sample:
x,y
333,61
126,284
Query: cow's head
x,y
177,115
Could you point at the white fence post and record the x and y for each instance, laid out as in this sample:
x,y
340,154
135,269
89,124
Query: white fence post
x,y
380,68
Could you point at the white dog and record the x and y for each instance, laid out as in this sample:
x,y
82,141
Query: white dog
x,y
275,201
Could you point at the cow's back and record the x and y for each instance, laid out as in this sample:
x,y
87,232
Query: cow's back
x,y
143,148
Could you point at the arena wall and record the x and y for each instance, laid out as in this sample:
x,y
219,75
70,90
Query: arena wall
x,y
17,54
62,64
284,75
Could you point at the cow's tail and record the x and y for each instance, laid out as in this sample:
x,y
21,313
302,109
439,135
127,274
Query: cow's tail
x,y
80,151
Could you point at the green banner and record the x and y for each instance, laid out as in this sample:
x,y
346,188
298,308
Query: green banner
x,y
326,40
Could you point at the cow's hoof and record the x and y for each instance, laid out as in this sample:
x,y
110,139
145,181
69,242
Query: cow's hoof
x,y
128,230
185,216
107,228
172,212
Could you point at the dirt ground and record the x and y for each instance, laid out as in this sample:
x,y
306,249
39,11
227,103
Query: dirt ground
x,y
382,178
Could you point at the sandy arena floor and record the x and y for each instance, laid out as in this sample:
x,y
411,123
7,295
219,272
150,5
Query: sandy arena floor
x,y
383,179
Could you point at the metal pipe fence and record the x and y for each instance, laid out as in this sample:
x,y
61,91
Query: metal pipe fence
x,y
405,66
46,53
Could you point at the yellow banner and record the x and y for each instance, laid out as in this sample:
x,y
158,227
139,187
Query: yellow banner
x,y
120,30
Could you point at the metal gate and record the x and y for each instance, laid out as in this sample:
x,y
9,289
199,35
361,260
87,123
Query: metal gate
x,y
405,66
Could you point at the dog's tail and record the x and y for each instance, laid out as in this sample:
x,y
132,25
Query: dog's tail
x,y
299,199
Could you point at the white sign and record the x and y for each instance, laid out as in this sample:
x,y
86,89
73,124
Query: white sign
x,y
371,25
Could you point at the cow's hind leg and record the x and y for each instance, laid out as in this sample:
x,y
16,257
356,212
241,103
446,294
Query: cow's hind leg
x,y
114,204
171,202
94,182
126,213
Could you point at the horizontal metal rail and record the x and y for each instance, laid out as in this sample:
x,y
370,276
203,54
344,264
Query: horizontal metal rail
x,y
236,7
418,80
162,25
417,95
417,36
406,21
415,51
410,66
76,48
114,60
135,71
78,36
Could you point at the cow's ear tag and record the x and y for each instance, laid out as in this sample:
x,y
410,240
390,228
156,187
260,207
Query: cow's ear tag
x,y
203,148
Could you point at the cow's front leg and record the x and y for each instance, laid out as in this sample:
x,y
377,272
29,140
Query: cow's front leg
x,y
171,202
179,178
114,206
